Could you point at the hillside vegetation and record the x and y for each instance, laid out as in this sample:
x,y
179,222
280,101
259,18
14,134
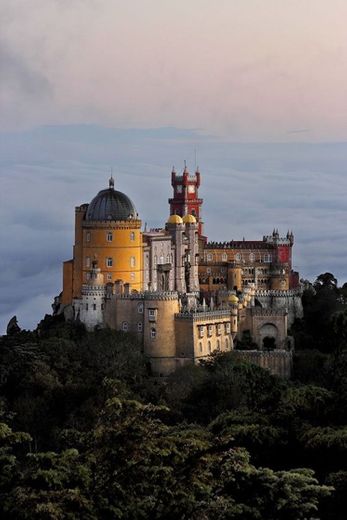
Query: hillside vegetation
x,y
87,433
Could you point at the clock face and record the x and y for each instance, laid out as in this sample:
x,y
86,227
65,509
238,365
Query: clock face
x,y
179,188
191,189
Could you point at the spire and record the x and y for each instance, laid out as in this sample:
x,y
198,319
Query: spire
x,y
111,182
185,167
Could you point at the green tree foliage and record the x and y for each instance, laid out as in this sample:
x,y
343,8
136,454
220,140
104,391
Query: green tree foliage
x,y
220,440
133,465
227,384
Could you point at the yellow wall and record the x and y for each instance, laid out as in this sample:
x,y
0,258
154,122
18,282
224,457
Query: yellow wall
x,y
92,244
121,249
80,212
279,282
67,282
235,278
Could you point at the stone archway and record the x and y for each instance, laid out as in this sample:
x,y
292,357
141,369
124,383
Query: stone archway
x,y
268,336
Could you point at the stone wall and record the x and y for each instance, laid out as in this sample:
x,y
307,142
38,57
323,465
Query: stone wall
x,y
289,300
278,362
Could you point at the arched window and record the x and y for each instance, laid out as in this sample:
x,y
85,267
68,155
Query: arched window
x,y
226,343
125,326
132,261
200,346
132,236
139,326
109,236
209,346
218,344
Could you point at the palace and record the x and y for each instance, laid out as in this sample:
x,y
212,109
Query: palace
x,y
181,295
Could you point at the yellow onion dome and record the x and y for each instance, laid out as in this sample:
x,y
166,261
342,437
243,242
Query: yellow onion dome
x,y
189,219
233,299
175,219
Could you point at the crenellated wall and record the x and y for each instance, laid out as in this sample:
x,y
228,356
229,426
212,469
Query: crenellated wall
x,y
278,362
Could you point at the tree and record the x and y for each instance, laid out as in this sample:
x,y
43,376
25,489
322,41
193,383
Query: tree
x,y
326,280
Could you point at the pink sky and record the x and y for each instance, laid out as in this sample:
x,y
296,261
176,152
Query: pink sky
x,y
246,69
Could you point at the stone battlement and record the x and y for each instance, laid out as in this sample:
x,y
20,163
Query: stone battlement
x,y
256,311
148,295
269,292
278,362
239,244
203,314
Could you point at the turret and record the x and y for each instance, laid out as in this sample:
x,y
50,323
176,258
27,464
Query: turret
x,y
185,199
89,309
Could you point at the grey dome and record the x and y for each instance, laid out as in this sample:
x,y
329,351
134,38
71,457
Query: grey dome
x,y
111,204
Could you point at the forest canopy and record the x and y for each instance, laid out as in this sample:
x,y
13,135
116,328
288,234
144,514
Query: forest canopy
x,y
86,432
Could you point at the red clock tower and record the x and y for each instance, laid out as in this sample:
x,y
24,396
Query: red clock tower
x,y
185,199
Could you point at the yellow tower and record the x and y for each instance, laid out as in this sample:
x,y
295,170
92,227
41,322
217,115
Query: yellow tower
x,y
107,235
234,277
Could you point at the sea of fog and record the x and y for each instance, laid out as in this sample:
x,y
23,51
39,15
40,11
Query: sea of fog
x,y
248,189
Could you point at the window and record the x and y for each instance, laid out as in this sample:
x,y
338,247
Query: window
x,y
267,258
132,276
125,326
227,328
152,314
218,344
109,277
132,236
153,333
201,331
109,236
210,330
179,188
226,343
132,261
209,257
139,326
252,257
109,262
88,236
200,346
191,188
94,306
224,257
88,261
86,306
219,329
209,346
238,257
208,270
140,308
102,306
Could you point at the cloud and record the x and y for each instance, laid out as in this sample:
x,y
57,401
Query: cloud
x,y
237,69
